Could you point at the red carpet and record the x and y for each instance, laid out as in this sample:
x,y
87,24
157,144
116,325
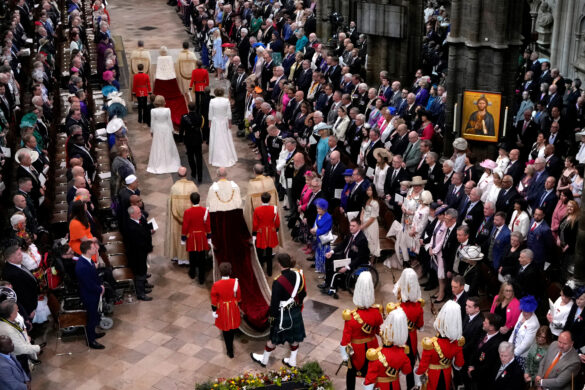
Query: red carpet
x,y
175,100
231,242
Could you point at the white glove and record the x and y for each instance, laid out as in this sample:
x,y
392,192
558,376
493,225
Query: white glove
x,y
369,387
254,239
417,381
183,242
210,243
214,314
344,355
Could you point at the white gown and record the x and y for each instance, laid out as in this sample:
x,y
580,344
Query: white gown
x,y
222,152
164,156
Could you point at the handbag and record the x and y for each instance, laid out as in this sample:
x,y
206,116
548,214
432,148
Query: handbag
x,y
326,238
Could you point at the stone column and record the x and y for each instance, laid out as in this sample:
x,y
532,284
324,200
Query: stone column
x,y
567,31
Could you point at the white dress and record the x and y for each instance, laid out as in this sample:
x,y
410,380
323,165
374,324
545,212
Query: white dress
x,y
372,232
222,152
164,156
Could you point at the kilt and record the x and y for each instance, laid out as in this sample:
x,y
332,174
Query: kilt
x,y
294,328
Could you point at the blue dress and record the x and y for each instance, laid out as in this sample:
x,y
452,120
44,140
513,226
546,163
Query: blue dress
x,y
322,149
218,56
323,224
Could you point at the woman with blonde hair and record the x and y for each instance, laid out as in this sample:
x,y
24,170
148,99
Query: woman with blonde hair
x,y
567,238
164,156
507,306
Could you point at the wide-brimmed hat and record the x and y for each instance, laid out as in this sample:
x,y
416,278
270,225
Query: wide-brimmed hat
x,y
528,304
29,120
114,125
381,152
418,181
471,253
321,126
488,164
34,155
441,209
460,143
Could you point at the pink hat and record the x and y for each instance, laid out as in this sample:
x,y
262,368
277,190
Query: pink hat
x,y
74,69
108,75
488,164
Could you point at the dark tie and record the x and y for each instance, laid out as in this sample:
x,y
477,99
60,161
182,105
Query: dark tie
x,y
348,245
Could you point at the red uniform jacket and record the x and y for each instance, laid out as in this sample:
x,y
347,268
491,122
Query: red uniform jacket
x,y
416,320
196,226
141,85
360,330
383,371
264,223
431,361
199,80
225,296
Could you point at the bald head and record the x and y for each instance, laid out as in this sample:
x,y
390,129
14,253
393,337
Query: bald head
x,y
221,173
75,162
335,156
19,201
79,182
258,169
6,346
182,172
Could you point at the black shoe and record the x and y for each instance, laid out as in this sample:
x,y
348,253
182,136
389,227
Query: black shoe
x,y
192,276
35,362
333,294
144,298
96,345
322,285
310,259
148,285
148,276
99,335
147,290
230,355
440,301
313,265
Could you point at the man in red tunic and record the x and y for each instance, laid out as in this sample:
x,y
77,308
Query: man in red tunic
x,y
360,329
388,361
199,80
141,89
443,351
265,224
195,233
407,290
225,296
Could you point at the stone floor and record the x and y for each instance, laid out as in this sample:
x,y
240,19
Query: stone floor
x,y
171,343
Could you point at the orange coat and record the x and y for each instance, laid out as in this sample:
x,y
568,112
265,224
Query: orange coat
x,y
199,80
196,227
416,320
360,330
431,361
384,372
225,300
76,232
265,222
141,85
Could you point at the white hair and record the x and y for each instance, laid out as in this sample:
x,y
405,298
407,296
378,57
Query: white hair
x,y
506,346
394,330
16,219
363,294
448,322
407,286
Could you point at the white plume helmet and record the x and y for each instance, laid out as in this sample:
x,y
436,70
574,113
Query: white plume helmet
x,y
363,294
394,330
408,286
448,322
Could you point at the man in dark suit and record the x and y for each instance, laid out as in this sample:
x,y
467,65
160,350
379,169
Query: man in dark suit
x,y
90,289
508,194
499,240
548,199
394,176
333,72
509,375
20,205
294,173
12,375
554,165
333,179
458,292
399,140
515,168
267,71
305,77
536,188
22,280
375,143
26,171
138,242
524,135
79,150
471,210
484,359
528,278
455,192
311,209
190,131
472,330
24,188
540,238
354,247
357,196
432,172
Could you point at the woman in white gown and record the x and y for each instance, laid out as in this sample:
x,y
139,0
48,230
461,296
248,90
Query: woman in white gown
x,y
164,156
222,152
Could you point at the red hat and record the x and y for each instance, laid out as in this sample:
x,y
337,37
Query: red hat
x,y
37,23
228,45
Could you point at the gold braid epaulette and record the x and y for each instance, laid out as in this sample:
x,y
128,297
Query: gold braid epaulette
x,y
442,357
366,328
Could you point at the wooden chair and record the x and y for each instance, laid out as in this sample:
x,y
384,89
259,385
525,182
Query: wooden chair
x,y
66,320
118,260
